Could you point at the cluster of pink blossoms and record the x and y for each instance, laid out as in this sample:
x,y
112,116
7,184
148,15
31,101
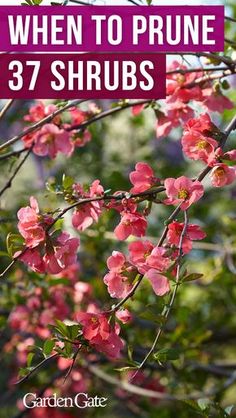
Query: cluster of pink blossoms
x,y
144,259
54,137
44,252
87,213
182,88
199,142
100,334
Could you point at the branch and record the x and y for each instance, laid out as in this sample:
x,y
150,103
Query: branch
x,y
107,113
13,154
9,182
117,109
84,201
42,122
137,390
42,363
5,108
167,308
231,19
121,196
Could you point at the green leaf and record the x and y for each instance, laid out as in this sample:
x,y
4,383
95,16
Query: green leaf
x,y
23,371
67,182
29,359
61,327
37,2
73,331
191,277
204,403
68,350
193,405
48,347
14,243
167,354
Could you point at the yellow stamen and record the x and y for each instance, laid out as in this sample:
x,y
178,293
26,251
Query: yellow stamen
x,y
183,194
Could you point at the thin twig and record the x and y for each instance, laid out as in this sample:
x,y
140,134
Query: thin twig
x,y
167,308
5,108
13,154
231,19
148,393
9,182
108,113
44,361
73,363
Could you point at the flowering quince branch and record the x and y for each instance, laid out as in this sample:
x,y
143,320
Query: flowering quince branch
x,y
37,367
81,202
40,123
155,394
52,221
107,113
167,308
13,154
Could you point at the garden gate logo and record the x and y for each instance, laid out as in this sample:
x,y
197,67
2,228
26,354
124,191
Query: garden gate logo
x,y
81,401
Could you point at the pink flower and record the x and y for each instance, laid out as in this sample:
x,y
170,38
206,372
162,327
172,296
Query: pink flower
x,y
100,334
116,261
122,205
222,175
131,224
142,178
81,139
44,252
183,190
117,285
86,214
216,101
202,125
40,111
62,255
193,232
158,259
160,283
116,280
177,113
139,252
29,224
197,141
50,140
66,251
124,316
78,116
230,155
33,259
19,318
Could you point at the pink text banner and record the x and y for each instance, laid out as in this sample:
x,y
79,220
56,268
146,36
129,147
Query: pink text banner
x,y
112,28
